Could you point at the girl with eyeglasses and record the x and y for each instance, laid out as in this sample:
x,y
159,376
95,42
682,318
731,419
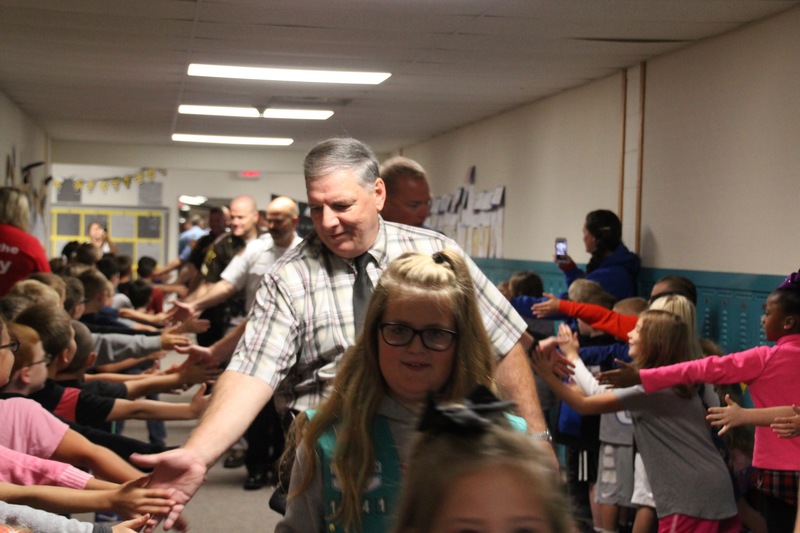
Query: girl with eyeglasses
x,y
422,335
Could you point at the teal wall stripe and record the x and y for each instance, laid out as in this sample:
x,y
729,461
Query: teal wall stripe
x,y
729,304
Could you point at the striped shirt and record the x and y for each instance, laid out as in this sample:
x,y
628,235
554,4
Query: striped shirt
x,y
302,319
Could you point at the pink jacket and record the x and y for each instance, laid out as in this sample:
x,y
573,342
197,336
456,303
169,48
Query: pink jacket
x,y
771,373
23,469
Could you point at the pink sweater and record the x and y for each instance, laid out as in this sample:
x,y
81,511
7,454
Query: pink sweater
x,y
30,428
23,469
771,373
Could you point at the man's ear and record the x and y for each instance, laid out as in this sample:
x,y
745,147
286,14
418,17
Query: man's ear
x,y
91,360
380,193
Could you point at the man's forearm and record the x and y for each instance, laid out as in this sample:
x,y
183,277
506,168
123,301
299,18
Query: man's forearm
x,y
236,401
515,377
223,348
215,295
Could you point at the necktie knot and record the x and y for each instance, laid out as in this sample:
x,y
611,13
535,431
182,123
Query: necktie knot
x,y
361,262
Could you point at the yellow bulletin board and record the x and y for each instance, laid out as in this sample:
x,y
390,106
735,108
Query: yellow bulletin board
x,y
136,232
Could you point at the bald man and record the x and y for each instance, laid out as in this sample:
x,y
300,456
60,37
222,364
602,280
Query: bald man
x,y
245,270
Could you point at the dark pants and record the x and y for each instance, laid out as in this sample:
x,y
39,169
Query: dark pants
x,y
265,441
218,317
780,515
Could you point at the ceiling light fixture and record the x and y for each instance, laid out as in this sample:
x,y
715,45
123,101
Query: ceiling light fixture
x,y
285,74
219,111
191,200
298,114
219,139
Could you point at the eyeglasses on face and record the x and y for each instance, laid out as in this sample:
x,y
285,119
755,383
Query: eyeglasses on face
x,y
436,339
12,346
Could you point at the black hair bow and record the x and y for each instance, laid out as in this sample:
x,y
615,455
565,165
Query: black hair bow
x,y
475,415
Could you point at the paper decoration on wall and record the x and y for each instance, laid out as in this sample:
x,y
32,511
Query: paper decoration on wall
x,y
473,219
115,182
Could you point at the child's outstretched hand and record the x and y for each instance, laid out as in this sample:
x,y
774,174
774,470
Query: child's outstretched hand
x,y
787,427
544,364
568,342
200,401
192,373
131,526
627,375
726,417
546,308
132,499
561,365
170,340
193,325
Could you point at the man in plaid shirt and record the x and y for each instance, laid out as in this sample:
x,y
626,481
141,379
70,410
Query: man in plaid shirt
x,y
303,321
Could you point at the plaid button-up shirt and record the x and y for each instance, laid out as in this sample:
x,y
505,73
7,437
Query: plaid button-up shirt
x,y
302,319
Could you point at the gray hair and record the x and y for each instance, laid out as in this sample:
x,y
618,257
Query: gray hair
x,y
339,154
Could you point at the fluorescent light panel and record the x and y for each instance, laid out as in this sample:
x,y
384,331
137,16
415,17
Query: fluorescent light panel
x,y
298,114
192,200
285,74
220,139
219,111
252,112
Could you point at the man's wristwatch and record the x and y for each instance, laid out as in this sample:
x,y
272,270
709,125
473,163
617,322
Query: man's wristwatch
x,y
541,435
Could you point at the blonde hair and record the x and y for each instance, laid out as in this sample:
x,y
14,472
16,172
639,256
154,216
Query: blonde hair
x,y
590,292
439,460
633,306
665,340
14,208
359,385
51,280
684,308
36,292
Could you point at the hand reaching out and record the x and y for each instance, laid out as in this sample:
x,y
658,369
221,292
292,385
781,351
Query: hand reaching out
x,y
177,469
568,342
131,526
193,325
627,375
787,427
726,417
171,340
134,498
202,355
546,308
182,311
200,401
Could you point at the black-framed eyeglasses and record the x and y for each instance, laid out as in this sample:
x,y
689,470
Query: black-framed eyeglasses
x,y
45,361
12,346
436,339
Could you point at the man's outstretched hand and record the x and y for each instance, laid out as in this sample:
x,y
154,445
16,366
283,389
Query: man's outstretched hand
x,y
179,470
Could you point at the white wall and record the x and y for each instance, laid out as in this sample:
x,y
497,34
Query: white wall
x,y
721,157
722,153
559,158
23,140
22,135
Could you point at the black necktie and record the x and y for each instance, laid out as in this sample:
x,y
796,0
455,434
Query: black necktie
x,y
362,290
